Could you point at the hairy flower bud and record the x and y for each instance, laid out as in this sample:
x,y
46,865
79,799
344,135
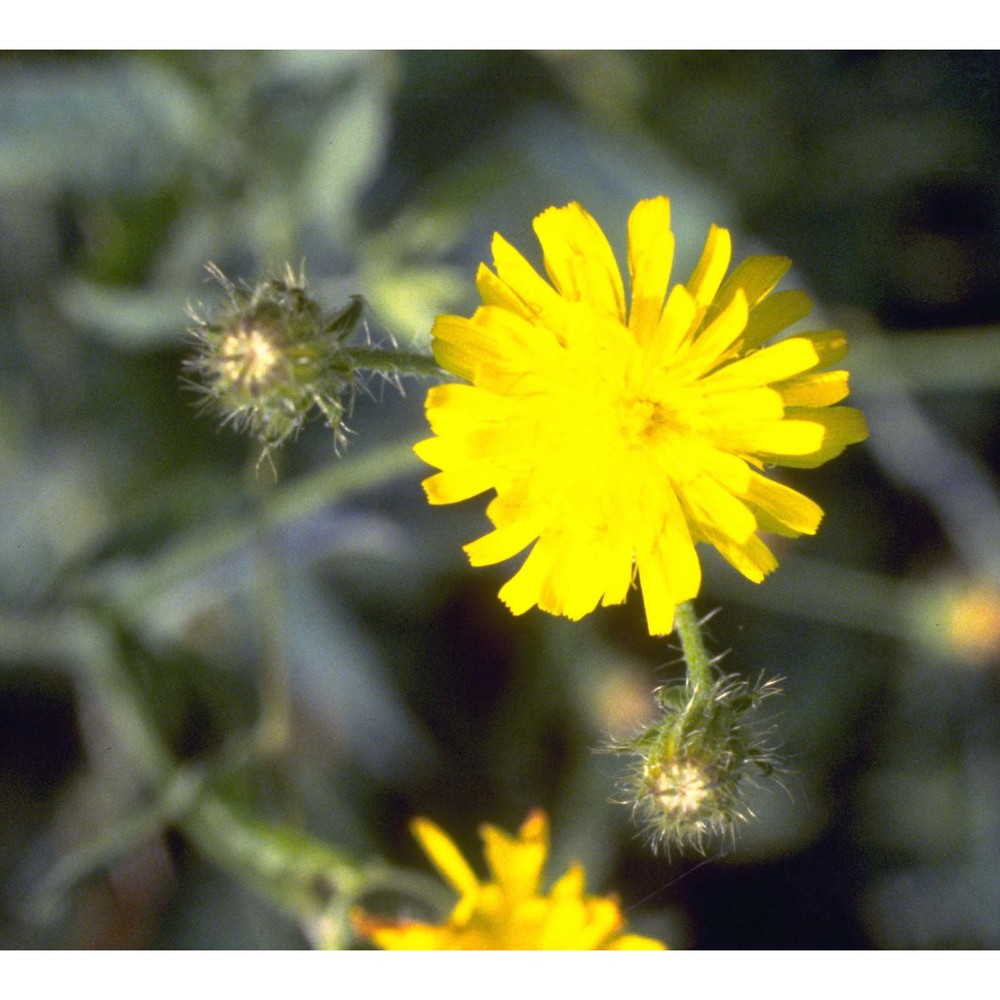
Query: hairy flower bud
x,y
696,762
270,355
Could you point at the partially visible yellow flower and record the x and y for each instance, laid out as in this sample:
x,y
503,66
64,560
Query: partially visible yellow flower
x,y
618,434
509,912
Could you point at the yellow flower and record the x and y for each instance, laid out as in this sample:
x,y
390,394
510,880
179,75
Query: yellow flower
x,y
616,437
508,913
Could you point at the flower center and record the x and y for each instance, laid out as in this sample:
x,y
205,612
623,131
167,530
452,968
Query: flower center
x,y
640,420
247,356
681,789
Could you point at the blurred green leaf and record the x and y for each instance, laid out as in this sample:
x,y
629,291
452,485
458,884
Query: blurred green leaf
x,y
347,148
128,318
96,125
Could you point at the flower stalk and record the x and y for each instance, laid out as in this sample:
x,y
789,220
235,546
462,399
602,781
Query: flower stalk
x,y
699,664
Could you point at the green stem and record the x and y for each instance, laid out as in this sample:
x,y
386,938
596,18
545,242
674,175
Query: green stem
x,y
699,663
391,361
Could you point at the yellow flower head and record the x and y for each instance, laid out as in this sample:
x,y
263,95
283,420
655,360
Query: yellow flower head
x,y
508,913
617,435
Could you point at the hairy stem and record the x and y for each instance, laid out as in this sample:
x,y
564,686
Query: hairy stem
x,y
699,663
391,361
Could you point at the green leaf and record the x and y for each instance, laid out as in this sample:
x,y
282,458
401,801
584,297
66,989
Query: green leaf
x,y
348,149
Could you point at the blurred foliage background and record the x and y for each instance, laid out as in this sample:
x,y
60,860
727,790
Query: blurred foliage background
x,y
313,658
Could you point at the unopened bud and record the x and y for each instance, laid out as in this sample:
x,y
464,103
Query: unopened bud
x,y
270,355
696,762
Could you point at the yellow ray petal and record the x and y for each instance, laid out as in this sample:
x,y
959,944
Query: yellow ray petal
x,y
839,426
713,341
517,862
579,259
495,292
674,330
523,589
668,567
657,594
458,344
815,390
650,259
538,296
752,558
397,935
457,484
713,505
468,448
776,313
570,885
708,273
757,276
785,505
612,564
777,437
782,361
445,856
455,415
502,543
635,942
582,927
571,587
